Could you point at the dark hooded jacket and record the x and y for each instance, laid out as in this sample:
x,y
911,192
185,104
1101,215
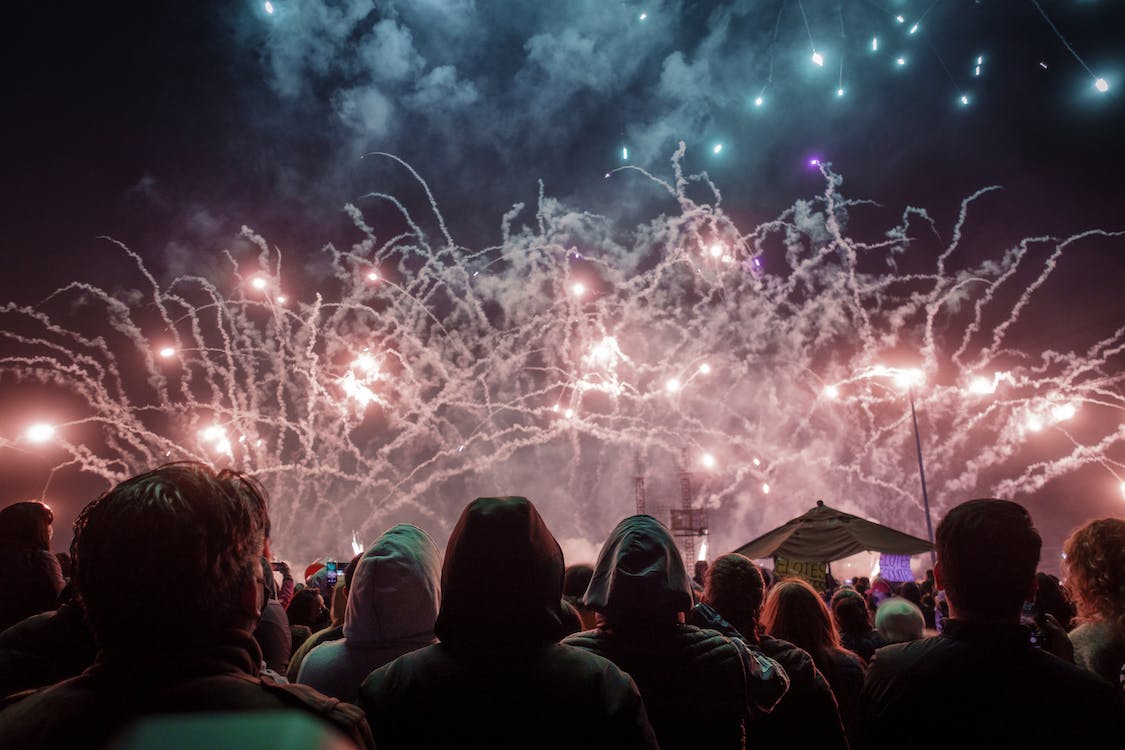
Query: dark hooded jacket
x,y
499,678
807,718
700,688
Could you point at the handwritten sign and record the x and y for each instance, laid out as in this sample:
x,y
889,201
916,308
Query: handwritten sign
x,y
815,573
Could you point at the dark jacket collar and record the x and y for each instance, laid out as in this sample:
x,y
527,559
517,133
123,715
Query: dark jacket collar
x,y
230,652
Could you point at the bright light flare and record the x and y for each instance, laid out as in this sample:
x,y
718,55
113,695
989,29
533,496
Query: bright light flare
x,y
716,250
818,59
913,29
282,299
831,392
372,275
1035,424
982,386
964,100
1102,85
365,363
705,369
765,488
605,351
167,352
1123,489
717,148
839,92
900,61
702,551
673,385
643,16
757,462
356,390
758,101
578,289
907,378
357,546
874,44
39,433
1063,412
707,460
259,283
270,9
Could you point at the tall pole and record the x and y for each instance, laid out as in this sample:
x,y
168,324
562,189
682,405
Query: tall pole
x,y
922,475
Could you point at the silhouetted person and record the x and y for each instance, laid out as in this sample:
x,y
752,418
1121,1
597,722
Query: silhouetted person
x,y
806,717
795,612
983,681
30,576
335,630
700,688
392,607
853,623
575,581
182,646
1095,566
498,678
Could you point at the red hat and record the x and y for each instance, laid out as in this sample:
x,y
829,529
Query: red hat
x,y
312,570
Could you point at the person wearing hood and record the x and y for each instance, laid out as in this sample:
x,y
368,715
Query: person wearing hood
x,y
391,611
700,688
498,677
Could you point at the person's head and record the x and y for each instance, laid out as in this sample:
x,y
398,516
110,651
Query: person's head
x,y
1095,569
340,592
501,582
899,620
576,580
987,552
27,524
734,588
795,612
911,592
1051,599
201,531
395,592
700,571
849,611
639,578
306,608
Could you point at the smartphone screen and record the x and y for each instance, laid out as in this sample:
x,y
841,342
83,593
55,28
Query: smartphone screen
x,y
332,567
1028,617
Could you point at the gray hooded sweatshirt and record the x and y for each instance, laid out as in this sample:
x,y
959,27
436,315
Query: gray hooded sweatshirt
x,y
392,605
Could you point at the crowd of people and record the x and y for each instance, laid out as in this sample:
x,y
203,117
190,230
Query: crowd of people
x,y
498,644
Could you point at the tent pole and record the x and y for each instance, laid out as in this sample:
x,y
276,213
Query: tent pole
x,y
922,475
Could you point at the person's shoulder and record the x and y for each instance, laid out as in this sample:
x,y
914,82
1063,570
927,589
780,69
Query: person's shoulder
x,y
319,657
897,656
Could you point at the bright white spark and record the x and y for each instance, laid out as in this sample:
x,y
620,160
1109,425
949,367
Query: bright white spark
x,y
818,59
1102,85
831,392
765,488
578,289
982,386
707,460
259,283
269,7
717,149
40,432
705,369
673,385
1063,412
167,352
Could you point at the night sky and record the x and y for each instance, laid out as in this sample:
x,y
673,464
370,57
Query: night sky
x,y
170,126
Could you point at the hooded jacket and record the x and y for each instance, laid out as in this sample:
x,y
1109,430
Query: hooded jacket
x,y
700,688
393,602
499,678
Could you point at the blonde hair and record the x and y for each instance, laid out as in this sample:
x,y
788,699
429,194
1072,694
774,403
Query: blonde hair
x,y
1095,568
